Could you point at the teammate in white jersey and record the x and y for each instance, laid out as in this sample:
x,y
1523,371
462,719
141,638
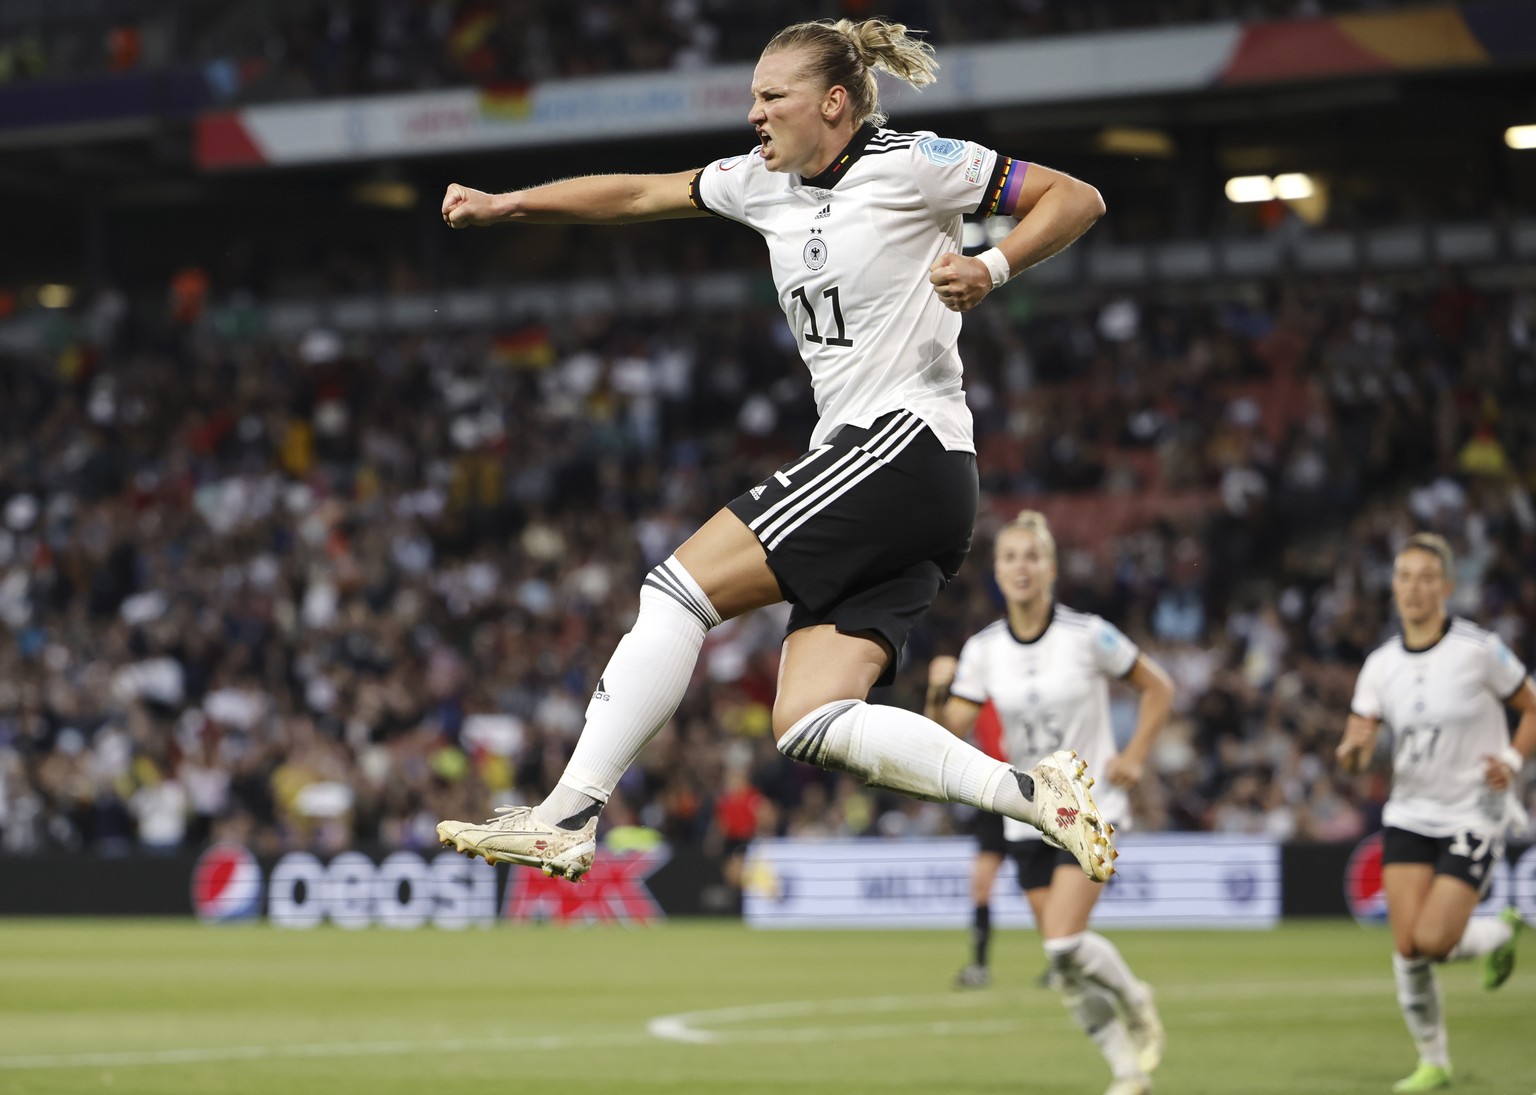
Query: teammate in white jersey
x,y
859,534
1441,686
1045,669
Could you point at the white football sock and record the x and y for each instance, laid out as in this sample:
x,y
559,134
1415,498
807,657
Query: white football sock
x,y
1102,963
638,690
1092,1006
1418,995
900,750
1483,935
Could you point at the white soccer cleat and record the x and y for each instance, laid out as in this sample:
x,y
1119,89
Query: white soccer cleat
x,y
1145,1027
1068,816
1130,1085
516,836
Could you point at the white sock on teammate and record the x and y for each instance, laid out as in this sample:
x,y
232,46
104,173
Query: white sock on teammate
x,y
1092,1006
900,750
638,691
1418,995
1484,935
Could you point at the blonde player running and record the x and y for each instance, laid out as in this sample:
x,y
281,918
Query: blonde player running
x,y
863,232
1046,670
1441,686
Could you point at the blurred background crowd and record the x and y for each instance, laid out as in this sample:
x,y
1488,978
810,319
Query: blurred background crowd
x,y
275,50
317,585
311,593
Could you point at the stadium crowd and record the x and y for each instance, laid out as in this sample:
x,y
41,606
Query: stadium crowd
x,y
263,51
327,593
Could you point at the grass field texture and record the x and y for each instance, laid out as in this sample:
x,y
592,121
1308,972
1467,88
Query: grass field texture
x,y
176,1007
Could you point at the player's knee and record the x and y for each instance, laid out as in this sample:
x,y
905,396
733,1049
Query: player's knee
x,y
1062,952
790,709
1432,943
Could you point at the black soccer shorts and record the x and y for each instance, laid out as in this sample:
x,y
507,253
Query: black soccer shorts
x,y
1466,856
1037,862
863,531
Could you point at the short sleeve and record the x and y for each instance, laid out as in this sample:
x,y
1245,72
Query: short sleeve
x,y
1504,672
1367,699
954,175
1113,653
970,683
721,187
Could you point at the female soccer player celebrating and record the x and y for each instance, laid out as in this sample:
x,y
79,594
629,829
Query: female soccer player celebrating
x,y
1441,685
859,534
1046,668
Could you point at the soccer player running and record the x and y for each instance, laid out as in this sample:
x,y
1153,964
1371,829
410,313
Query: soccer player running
x,y
863,226
1046,669
1441,685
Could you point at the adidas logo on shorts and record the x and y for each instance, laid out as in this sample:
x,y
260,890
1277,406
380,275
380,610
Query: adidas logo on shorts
x,y
757,491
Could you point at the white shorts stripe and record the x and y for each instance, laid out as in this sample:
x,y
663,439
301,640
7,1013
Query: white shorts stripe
x,y
810,503
862,464
836,480
798,492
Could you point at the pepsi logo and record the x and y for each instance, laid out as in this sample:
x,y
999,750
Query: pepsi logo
x,y
226,884
1363,891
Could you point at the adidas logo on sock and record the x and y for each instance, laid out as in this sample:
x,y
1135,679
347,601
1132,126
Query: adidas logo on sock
x,y
825,212
602,691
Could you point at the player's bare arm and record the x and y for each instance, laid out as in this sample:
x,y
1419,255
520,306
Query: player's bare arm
x,y
1156,688
588,199
951,712
1053,208
1359,743
1502,768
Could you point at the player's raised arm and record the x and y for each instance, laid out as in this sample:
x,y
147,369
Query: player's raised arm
x,y
1053,210
956,715
1156,688
1503,768
588,199
1359,743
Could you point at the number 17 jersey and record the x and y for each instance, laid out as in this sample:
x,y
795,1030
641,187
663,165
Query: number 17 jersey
x,y
1051,692
851,249
1445,707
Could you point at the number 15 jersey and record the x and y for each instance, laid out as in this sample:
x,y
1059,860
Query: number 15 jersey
x,y
1445,707
851,249
1051,693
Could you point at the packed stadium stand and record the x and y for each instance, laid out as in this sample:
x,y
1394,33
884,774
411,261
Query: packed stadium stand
x,y
317,522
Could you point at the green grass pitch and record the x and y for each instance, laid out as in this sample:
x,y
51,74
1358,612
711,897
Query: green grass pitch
x,y
176,1007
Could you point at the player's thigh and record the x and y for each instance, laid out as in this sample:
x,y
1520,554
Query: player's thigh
x,y
984,875
1407,887
730,565
821,665
1069,902
1443,916
1407,870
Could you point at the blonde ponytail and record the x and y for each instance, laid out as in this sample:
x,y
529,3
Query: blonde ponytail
x,y
849,53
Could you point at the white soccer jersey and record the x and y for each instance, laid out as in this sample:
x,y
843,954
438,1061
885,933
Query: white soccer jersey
x,y
1445,707
1051,693
851,249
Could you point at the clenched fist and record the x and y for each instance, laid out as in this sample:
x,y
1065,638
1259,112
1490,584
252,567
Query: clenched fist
x,y
466,207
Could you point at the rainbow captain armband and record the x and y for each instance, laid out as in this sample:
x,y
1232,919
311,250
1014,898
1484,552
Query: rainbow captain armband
x,y
1003,188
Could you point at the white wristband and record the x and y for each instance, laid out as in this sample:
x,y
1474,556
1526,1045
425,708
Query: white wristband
x,y
997,265
1513,758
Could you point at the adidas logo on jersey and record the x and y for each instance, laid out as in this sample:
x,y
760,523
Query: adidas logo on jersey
x,y
826,211
602,691
757,491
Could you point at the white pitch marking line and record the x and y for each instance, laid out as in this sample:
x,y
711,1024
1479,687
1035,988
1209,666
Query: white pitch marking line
x,y
688,1026
684,1027
207,1054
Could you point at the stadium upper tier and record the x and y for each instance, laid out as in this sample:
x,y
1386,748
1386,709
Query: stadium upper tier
x,y
303,49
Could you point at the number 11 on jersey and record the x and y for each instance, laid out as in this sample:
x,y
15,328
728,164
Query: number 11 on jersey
x,y
814,334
